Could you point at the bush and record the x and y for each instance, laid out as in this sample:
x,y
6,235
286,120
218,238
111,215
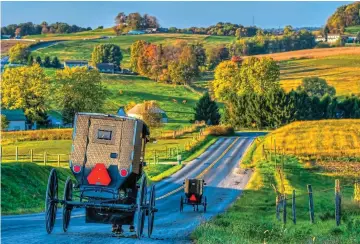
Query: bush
x,y
322,45
219,130
37,135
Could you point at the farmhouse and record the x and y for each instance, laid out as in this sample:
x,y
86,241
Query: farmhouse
x,y
331,38
137,110
76,63
106,67
16,118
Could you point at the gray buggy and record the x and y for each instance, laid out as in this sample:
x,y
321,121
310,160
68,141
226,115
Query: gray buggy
x,y
107,162
194,194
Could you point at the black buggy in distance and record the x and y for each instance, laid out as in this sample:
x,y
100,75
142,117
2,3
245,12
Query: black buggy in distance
x,y
107,162
194,190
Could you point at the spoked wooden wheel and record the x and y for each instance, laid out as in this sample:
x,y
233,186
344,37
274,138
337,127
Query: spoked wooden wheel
x,y
151,210
181,204
66,208
51,200
141,204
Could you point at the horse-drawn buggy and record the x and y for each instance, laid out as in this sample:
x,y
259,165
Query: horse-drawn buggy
x,y
194,190
107,162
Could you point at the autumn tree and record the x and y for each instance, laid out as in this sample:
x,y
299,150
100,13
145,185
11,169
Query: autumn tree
x,y
80,91
106,53
137,49
149,111
26,88
19,53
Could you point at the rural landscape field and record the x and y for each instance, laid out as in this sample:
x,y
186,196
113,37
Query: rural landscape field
x,y
264,121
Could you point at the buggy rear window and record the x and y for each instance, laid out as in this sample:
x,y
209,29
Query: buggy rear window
x,y
104,135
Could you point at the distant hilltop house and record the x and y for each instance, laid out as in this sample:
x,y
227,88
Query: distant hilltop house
x,y
76,63
137,110
136,32
16,118
106,67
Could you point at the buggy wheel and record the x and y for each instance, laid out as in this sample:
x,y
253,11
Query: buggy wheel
x,y
205,204
67,209
141,203
152,211
51,201
181,204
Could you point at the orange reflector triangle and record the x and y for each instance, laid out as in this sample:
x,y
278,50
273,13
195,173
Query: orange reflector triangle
x,y
192,198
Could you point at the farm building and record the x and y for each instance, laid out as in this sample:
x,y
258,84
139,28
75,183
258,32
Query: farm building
x,y
16,118
137,110
76,63
136,32
106,67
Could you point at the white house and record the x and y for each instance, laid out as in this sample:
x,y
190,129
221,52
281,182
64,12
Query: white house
x,y
331,38
16,118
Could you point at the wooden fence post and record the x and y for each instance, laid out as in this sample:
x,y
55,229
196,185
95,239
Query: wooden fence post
x,y
16,153
337,202
58,160
31,155
284,209
293,207
311,203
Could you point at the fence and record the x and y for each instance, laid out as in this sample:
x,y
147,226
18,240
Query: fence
x,y
32,157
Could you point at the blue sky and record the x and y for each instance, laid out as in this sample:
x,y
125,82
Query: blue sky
x,y
179,14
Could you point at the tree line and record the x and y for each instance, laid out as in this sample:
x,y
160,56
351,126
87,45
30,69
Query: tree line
x,y
134,21
220,29
264,43
253,97
30,28
344,16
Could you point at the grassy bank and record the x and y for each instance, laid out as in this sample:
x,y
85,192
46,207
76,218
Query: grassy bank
x,y
23,187
252,218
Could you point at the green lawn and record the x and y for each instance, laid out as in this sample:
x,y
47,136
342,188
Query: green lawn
x,y
353,29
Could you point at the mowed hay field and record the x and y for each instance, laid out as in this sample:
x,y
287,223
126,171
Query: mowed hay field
x,y
340,67
322,138
82,49
7,44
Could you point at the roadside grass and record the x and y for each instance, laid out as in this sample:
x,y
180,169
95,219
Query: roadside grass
x,y
23,187
166,173
251,219
341,71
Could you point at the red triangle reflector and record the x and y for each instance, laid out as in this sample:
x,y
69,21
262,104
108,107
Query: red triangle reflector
x,y
192,198
99,176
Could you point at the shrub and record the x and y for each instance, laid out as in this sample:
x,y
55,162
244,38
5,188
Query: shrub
x,y
219,130
37,135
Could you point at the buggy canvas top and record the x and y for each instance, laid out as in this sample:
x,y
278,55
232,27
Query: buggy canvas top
x,y
194,186
108,139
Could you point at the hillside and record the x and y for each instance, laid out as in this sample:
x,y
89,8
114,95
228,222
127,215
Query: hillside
x,y
81,49
353,29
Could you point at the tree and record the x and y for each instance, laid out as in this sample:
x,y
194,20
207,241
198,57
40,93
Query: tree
x,y
4,122
26,88
38,60
80,91
47,62
19,53
288,30
106,53
315,86
137,49
56,63
30,60
207,110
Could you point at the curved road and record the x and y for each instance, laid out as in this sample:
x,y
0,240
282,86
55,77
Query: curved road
x,y
224,184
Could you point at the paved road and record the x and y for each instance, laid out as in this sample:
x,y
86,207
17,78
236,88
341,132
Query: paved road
x,y
224,184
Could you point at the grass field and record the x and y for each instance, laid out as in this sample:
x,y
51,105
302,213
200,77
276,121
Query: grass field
x,y
251,218
6,45
81,49
341,71
353,29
